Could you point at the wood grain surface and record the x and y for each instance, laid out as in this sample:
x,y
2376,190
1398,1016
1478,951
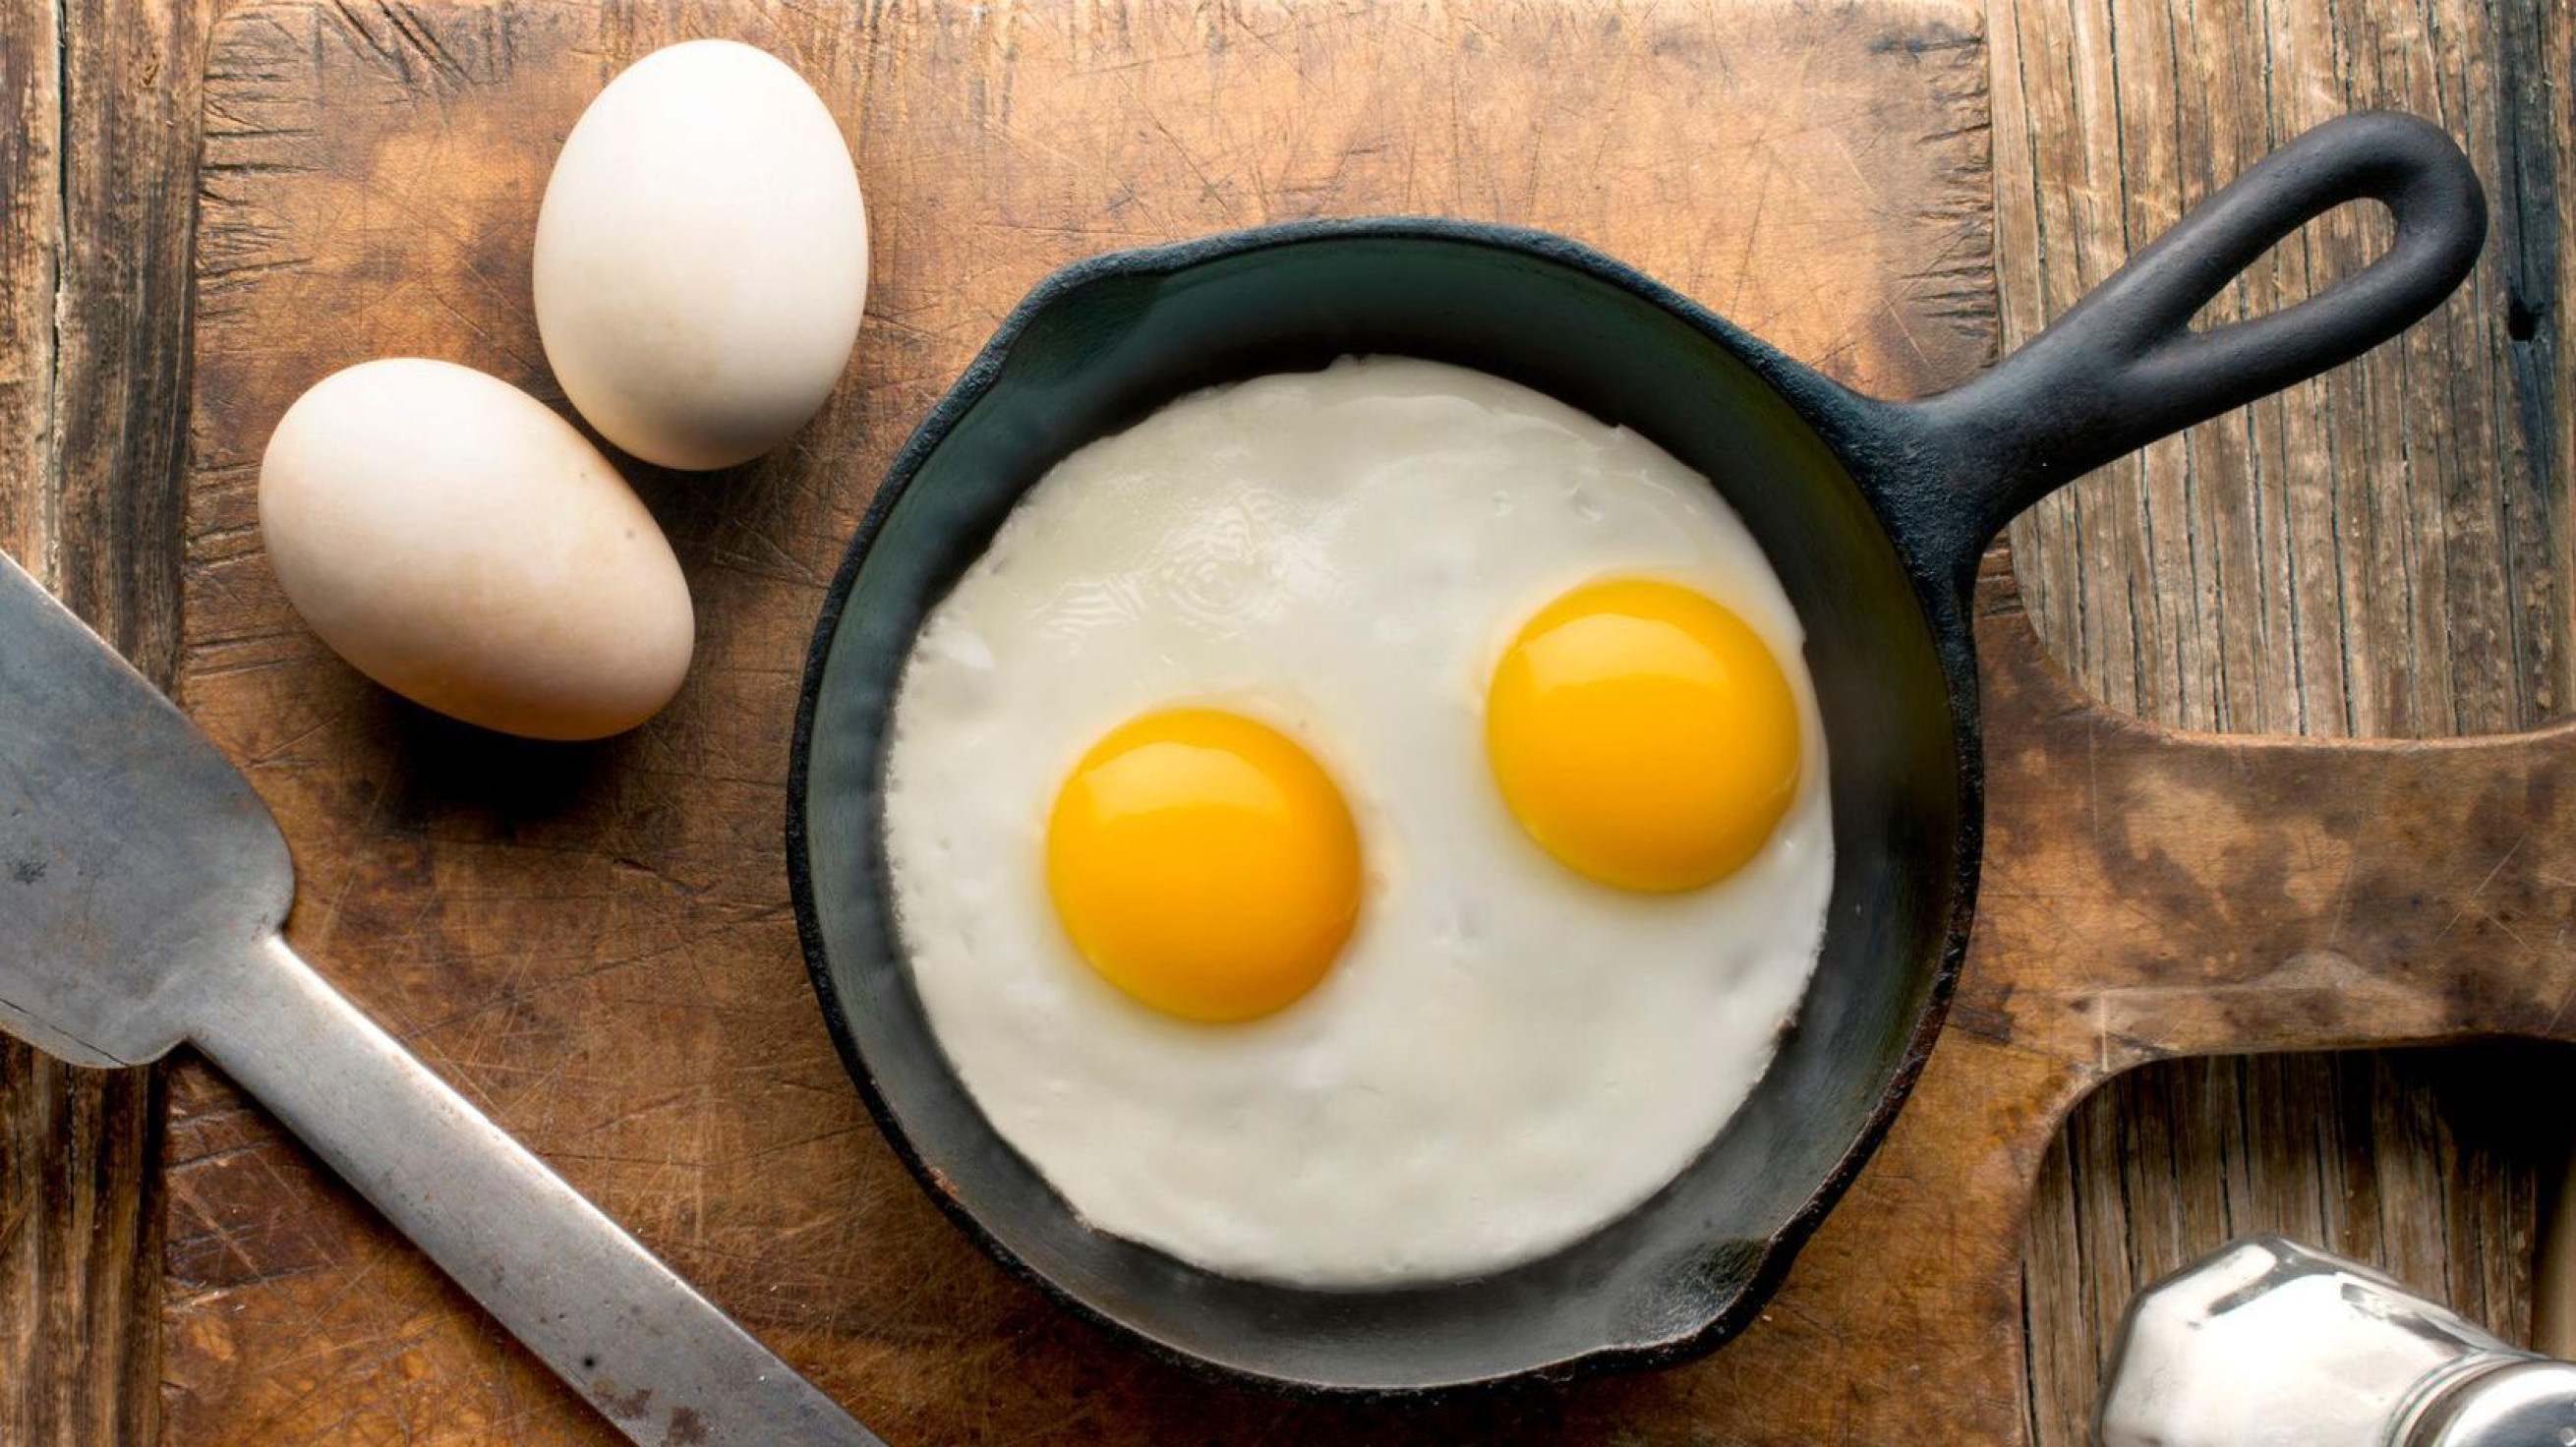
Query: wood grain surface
x,y
2250,1140
97,168
2378,552
594,943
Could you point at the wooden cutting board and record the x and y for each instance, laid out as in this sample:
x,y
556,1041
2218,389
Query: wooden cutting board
x,y
594,942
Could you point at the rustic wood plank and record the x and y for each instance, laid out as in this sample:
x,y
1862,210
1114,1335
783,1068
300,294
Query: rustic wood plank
x,y
31,1090
593,943
130,133
2393,511
96,182
2378,552
31,226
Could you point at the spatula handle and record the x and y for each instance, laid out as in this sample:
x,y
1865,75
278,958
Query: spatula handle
x,y
640,1344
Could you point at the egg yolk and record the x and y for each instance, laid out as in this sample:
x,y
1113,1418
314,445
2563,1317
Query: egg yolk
x,y
1205,864
1643,735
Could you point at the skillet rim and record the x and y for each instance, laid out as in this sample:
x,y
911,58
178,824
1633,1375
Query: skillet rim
x,y
1876,447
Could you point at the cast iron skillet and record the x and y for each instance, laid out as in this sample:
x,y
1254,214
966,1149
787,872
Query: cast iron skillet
x,y
1874,514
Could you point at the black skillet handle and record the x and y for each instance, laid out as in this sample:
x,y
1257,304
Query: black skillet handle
x,y
2124,367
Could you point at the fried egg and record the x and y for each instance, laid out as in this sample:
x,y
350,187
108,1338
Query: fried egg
x,y
1361,827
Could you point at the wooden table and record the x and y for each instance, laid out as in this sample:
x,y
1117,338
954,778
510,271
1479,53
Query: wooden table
x,y
2352,558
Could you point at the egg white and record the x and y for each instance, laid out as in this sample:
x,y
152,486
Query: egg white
x,y
1506,1055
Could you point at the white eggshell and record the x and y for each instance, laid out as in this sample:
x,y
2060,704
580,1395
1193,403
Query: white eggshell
x,y
467,548
702,256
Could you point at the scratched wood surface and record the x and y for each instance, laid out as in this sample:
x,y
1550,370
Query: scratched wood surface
x,y
594,943
104,145
2377,552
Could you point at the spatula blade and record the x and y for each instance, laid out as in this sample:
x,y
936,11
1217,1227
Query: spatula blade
x,y
133,856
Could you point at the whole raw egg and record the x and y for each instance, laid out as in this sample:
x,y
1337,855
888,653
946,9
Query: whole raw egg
x,y
470,550
701,256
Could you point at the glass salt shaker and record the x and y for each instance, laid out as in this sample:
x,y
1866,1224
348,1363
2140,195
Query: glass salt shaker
x,y
2271,1344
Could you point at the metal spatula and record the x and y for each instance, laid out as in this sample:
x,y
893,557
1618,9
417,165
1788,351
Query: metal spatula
x,y
142,886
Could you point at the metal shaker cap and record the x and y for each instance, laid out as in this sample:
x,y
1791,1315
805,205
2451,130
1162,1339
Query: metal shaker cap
x,y
2524,1404
2271,1344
